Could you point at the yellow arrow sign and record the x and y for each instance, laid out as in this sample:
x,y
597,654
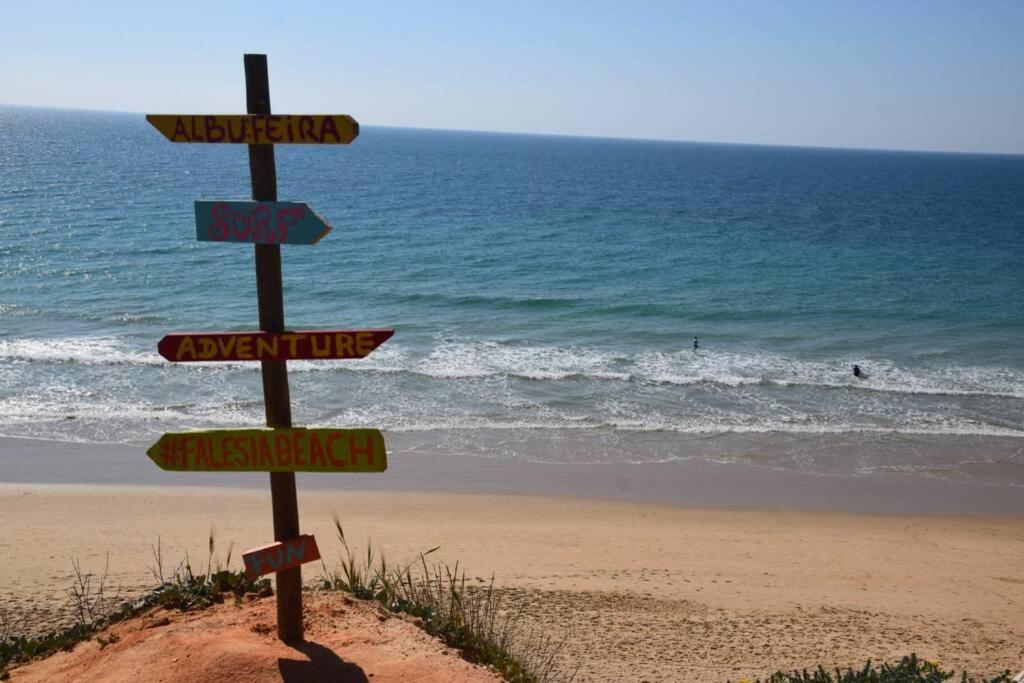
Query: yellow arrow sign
x,y
257,129
271,450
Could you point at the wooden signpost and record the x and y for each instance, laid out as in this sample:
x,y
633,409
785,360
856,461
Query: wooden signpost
x,y
267,223
191,347
276,557
271,450
258,222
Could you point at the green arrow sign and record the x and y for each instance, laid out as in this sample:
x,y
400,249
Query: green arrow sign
x,y
271,450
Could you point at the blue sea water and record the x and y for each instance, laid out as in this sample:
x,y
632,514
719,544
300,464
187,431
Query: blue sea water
x,y
538,283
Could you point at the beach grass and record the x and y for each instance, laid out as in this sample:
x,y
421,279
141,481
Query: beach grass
x,y
95,607
910,669
438,599
469,618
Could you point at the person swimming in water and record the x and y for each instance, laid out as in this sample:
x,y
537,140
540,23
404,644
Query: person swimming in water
x,y
696,344
856,371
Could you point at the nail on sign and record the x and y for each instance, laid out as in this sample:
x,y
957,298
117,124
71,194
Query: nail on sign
x,y
191,347
258,222
271,450
257,129
277,557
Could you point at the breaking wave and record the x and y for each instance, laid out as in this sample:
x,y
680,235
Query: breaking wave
x,y
467,360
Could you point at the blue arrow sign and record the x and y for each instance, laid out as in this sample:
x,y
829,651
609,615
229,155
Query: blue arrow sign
x,y
258,222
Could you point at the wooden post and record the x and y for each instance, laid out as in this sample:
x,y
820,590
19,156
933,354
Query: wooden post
x,y
269,292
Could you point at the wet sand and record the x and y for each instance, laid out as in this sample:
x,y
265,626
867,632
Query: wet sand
x,y
415,467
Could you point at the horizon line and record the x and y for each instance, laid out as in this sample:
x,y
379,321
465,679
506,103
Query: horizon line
x,y
584,136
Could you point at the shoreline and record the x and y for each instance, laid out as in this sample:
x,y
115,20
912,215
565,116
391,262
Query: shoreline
x,y
694,484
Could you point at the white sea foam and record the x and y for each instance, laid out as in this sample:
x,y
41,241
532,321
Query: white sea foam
x,y
465,385
457,359
81,350
389,358
452,360
735,369
91,418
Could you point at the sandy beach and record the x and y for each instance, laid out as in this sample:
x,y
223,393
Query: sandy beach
x,y
644,590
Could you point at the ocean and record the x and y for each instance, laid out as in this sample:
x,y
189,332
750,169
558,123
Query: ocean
x,y
544,290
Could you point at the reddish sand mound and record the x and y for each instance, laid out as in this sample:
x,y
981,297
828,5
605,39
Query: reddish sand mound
x,y
346,640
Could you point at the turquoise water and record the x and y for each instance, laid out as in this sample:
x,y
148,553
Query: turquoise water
x,y
535,282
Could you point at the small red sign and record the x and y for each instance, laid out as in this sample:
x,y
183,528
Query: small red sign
x,y
278,557
190,347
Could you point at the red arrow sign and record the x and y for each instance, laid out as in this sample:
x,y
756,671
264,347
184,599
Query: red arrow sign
x,y
276,557
190,347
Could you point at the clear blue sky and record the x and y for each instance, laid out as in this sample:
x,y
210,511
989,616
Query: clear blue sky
x,y
898,74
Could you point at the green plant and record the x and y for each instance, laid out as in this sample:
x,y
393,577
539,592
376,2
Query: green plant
x,y
467,618
910,669
89,599
349,575
473,620
183,589
109,640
